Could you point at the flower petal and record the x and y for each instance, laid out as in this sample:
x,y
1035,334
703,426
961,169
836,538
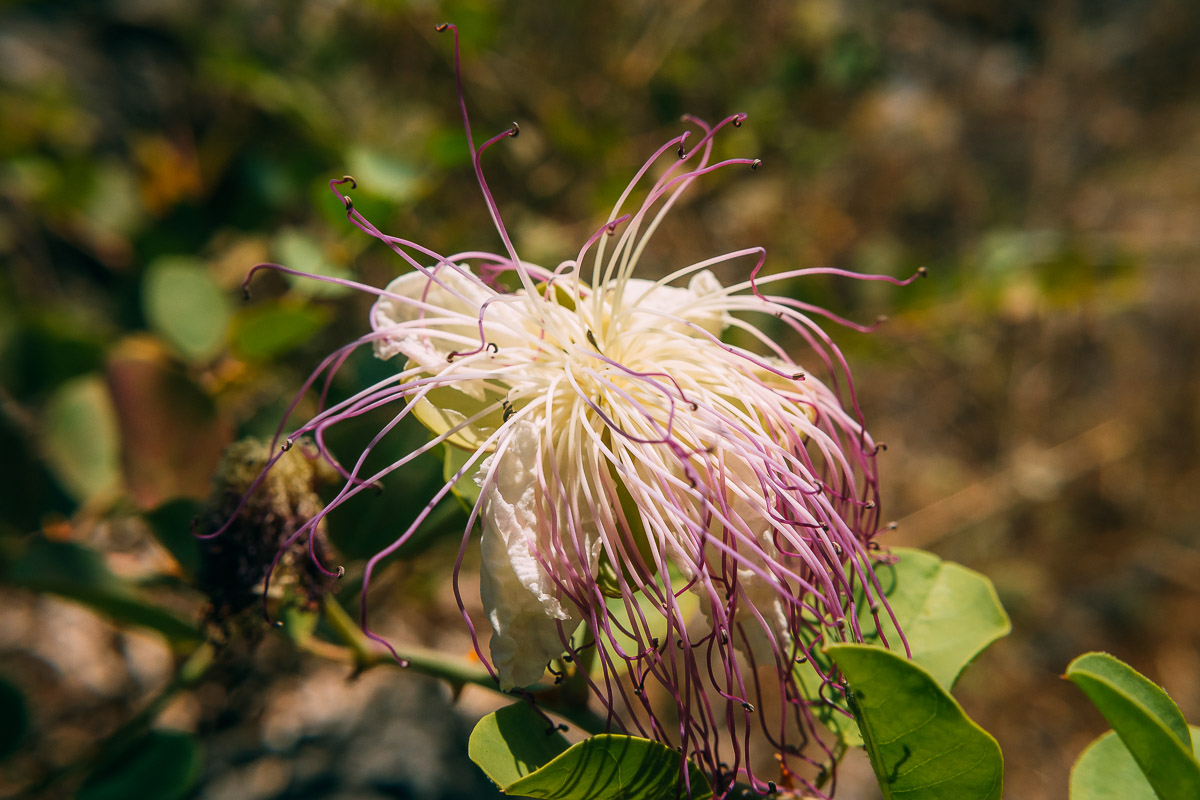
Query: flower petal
x,y
518,595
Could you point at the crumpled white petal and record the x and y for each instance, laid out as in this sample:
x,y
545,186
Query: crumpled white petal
x,y
460,294
675,301
517,593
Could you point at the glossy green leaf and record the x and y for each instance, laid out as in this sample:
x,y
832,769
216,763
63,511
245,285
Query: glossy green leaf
x,y
81,441
1149,724
518,750
1106,771
186,306
78,573
612,766
15,713
948,613
921,743
265,331
162,765
514,742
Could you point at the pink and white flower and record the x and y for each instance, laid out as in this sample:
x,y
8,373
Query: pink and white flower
x,y
688,516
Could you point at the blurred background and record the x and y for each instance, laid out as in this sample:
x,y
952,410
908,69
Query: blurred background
x,y
1039,392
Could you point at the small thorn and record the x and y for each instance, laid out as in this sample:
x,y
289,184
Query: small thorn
x,y
755,164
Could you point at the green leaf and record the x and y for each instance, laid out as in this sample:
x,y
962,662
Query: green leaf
x,y
78,573
265,331
15,713
1107,771
514,742
162,765
609,766
186,306
1150,725
518,750
948,613
920,742
81,441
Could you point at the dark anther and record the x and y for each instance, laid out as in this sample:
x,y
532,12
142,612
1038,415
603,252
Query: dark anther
x,y
453,354
747,706
756,163
778,315
679,643
924,273
277,623
724,637
558,679
567,659
771,787
441,26
682,152
245,292
801,659
341,572
563,727
495,348
837,548
654,642
798,376
551,729
508,409
612,228
350,180
874,608
880,447
637,692
287,445
825,527
349,203
869,504
678,748
515,131
591,337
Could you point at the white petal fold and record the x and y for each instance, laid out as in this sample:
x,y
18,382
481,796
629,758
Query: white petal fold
x,y
518,596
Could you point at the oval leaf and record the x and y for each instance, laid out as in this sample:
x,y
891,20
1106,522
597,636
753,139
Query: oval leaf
x,y
81,442
162,765
1150,725
948,613
514,742
184,303
921,743
613,766
266,331
1107,771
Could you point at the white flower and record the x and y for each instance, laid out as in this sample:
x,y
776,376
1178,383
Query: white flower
x,y
640,449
